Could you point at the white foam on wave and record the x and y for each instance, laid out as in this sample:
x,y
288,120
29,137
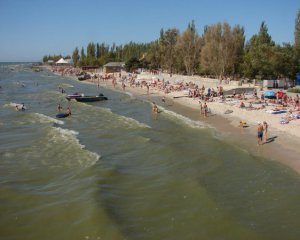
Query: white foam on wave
x,y
69,137
131,122
93,107
41,118
129,94
11,104
66,85
127,120
185,120
66,135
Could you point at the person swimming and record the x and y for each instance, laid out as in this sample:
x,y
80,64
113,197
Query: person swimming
x,y
20,107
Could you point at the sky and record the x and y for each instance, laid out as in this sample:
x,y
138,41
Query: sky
x,y
30,29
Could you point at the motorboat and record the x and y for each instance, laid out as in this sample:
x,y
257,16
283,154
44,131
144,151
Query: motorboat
x,y
83,98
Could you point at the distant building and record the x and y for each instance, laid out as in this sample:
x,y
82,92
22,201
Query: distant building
x,y
113,67
90,68
64,62
273,83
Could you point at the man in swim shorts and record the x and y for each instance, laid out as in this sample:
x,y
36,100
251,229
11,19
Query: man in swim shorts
x,y
260,130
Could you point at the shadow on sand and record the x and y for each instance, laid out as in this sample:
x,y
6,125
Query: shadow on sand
x,y
269,140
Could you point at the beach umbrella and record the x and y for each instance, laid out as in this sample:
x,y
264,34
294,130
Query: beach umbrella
x,y
270,94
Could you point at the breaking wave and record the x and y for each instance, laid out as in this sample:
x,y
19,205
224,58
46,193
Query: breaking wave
x,y
41,118
185,120
70,148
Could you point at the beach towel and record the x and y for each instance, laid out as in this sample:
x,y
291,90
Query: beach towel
x,y
276,112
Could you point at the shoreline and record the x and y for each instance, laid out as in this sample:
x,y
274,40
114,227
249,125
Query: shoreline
x,y
283,148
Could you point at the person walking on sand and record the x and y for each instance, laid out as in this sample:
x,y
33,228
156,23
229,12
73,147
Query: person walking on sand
x,y
260,130
265,131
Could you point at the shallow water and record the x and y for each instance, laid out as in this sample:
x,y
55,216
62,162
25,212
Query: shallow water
x,y
113,170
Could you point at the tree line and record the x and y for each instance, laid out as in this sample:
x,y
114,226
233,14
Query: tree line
x,y
221,51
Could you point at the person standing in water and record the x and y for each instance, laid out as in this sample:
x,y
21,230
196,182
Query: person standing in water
x,y
123,86
69,111
154,108
59,107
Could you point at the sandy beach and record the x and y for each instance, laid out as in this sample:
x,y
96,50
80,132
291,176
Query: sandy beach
x,y
282,144
225,115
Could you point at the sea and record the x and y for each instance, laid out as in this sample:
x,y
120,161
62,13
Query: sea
x,y
114,170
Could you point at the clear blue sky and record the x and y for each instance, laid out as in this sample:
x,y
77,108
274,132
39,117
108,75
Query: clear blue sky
x,y
29,29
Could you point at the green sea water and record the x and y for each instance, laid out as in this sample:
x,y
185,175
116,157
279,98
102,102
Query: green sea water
x,y
114,170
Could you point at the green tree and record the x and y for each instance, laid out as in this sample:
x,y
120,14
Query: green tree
x,y
75,57
82,61
98,51
153,56
132,64
91,54
297,30
222,49
284,61
297,41
167,47
45,58
211,50
258,52
188,48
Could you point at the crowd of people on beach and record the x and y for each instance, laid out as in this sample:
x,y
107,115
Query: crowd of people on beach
x,y
254,100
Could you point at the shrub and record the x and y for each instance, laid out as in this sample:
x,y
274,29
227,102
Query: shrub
x,y
294,90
